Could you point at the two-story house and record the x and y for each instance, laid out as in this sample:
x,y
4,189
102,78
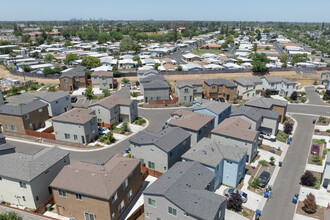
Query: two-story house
x,y
77,125
237,132
188,90
102,80
325,78
220,88
198,125
97,191
159,151
278,85
227,162
248,87
184,192
154,87
25,178
73,79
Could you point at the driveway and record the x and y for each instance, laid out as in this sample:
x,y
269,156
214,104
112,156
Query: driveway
x,y
280,207
313,97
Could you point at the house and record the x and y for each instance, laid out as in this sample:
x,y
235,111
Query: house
x,y
141,74
227,162
5,148
220,88
326,173
159,151
102,80
192,67
248,87
276,105
219,110
25,178
188,90
115,108
77,125
278,85
325,76
237,132
154,88
184,192
73,79
97,191
198,125
265,121
191,57
21,117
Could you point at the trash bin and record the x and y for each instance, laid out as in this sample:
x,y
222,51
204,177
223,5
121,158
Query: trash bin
x,y
266,194
294,200
127,150
280,163
314,120
288,142
270,187
49,207
258,212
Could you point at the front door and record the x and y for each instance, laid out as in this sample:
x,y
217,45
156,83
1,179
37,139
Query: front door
x,y
228,97
83,139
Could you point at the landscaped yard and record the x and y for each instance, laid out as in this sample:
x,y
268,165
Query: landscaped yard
x,y
322,121
317,159
281,136
273,150
201,51
318,214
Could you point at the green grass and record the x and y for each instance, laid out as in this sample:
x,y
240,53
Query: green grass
x,y
201,51
245,213
319,141
281,136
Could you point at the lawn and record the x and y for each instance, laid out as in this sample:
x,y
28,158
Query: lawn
x,y
201,51
281,136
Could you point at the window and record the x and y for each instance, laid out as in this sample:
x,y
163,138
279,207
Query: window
x,y
23,197
185,142
23,185
50,192
78,196
99,111
62,193
152,202
0,178
7,127
27,117
121,207
185,98
37,198
186,90
65,80
89,216
99,120
67,136
67,98
228,161
213,87
13,127
172,211
75,137
114,197
151,165
40,110
125,183
130,195
219,214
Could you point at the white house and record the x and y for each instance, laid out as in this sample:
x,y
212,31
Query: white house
x,y
278,85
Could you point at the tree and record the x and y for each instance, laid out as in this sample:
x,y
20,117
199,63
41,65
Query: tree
x,y
26,38
106,92
156,66
297,58
136,58
310,204
10,216
284,60
103,38
235,202
126,44
136,48
267,48
268,93
48,70
27,68
33,86
90,62
35,55
308,179
313,52
57,69
272,160
48,57
221,37
89,93
259,62
288,127
14,90
179,68
294,95
124,127
67,43
13,55
254,183
255,48
125,80
71,57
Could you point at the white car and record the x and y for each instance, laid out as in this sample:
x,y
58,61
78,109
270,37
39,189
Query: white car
x,y
268,137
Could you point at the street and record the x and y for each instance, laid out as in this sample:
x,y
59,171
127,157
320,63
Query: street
x,y
313,97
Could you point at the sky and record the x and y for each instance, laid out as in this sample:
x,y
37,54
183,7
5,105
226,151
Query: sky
x,y
214,10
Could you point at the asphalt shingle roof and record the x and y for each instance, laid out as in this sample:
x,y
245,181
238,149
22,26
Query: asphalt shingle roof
x,y
190,83
113,100
277,79
266,103
51,96
220,82
76,116
248,81
213,106
255,114
190,120
78,71
20,110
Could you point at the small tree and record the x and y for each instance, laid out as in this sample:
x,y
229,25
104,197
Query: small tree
x,y
48,70
179,68
308,179
310,204
263,163
288,127
10,216
235,202
294,95
254,183
110,137
106,92
124,127
125,80
89,93
14,90
272,160
268,93
48,57
156,66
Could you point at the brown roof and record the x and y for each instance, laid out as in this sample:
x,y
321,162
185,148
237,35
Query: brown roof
x,y
236,128
100,181
192,82
190,120
169,66
102,73
76,115
166,59
113,100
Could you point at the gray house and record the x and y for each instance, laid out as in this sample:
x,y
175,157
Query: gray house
x,y
278,85
188,90
265,121
198,125
325,77
154,88
248,87
160,151
219,110
326,173
236,132
102,80
77,125
227,162
184,192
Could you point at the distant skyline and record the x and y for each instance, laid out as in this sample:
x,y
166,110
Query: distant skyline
x,y
215,10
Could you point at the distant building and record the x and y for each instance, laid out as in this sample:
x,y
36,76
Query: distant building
x,y
325,78
326,173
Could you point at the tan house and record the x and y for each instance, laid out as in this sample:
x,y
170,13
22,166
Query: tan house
x,y
21,117
87,191
220,88
73,79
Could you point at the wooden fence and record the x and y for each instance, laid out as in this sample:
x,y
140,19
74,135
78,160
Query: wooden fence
x,y
146,171
40,134
137,213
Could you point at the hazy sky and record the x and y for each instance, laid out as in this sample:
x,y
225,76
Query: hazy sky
x,y
228,10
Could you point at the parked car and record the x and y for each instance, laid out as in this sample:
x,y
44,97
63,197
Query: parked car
x,y
264,179
122,84
227,192
102,130
268,136
74,99
222,100
315,149
216,99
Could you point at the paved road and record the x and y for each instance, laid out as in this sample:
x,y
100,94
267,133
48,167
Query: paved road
x,y
313,97
279,49
308,109
280,207
177,55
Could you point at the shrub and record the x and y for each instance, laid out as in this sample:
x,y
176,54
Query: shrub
x,y
288,127
107,142
294,95
267,93
134,94
317,160
310,204
263,163
125,80
10,216
235,202
328,130
317,130
272,160
307,179
254,183
124,127
102,139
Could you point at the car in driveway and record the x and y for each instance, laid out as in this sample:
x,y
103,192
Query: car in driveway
x,y
268,136
315,149
74,99
102,131
227,192
264,178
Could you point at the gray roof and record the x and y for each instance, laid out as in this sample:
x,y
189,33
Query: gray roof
x,y
52,96
277,79
76,116
156,84
78,71
184,185
255,114
212,152
4,145
189,83
30,97
266,103
152,78
166,140
220,82
215,107
251,81
27,167
19,110
22,98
